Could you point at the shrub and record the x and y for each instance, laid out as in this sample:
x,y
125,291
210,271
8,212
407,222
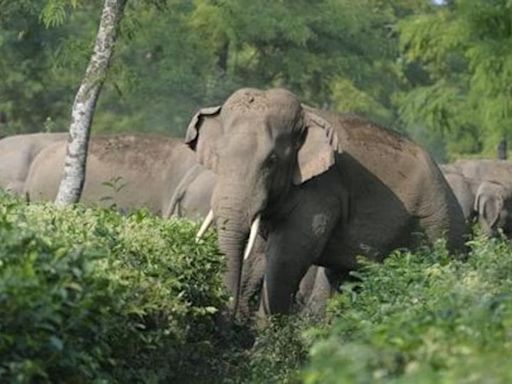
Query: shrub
x,y
88,295
278,354
92,296
422,317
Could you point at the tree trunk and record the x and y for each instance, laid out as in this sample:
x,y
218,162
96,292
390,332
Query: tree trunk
x,y
223,58
3,124
502,149
82,114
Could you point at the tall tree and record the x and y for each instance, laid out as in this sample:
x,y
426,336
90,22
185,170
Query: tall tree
x,y
457,56
84,105
32,91
336,54
182,54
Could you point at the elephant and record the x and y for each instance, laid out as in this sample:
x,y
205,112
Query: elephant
x,y
16,156
449,168
128,171
322,188
311,297
136,171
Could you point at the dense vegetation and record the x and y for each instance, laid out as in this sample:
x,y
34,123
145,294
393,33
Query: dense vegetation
x,y
88,295
93,295
422,318
437,70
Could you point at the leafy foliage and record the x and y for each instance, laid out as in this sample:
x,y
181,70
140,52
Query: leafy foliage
x,y
180,55
279,353
385,59
37,74
423,317
456,55
88,295
93,296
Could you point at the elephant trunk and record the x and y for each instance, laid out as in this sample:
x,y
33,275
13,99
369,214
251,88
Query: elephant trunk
x,y
237,201
232,236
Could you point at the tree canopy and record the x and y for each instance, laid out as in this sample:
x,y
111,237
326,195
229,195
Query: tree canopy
x,y
460,65
437,71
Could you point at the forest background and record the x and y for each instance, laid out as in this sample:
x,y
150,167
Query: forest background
x,y
440,72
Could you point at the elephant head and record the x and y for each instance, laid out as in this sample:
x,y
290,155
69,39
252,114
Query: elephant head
x,y
490,205
260,144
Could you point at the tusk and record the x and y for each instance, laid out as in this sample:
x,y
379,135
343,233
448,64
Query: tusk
x,y
252,237
206,224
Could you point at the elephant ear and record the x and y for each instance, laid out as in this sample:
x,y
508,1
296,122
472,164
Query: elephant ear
x,y
489,203
203,134
318,151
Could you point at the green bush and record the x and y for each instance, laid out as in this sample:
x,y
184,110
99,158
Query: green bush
x,y
88,295
422,318
92,296
279,352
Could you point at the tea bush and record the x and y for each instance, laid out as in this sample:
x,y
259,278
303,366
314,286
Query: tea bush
x,y
421,318
278,354
92,296
88,295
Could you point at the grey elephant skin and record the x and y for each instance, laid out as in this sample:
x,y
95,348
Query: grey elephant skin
x,y
493,202
484,190
130,171
482,169
465,190
191,198
326,187
16,156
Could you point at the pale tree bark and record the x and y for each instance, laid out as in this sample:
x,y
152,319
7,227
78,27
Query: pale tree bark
x,y
82,114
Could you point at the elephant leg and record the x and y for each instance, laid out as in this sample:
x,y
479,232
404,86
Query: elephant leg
x,y
296,244
306,286
321,292
326,284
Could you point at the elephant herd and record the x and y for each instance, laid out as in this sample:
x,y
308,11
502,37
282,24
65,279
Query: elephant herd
x,y
296,193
